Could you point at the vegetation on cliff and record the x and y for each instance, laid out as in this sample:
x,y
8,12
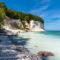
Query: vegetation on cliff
x,y
4,11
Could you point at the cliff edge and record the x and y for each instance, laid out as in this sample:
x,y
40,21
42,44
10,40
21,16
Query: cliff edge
x,y
13,20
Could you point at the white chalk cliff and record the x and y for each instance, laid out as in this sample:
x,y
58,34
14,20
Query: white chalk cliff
x,y
13,20
36,26
32,26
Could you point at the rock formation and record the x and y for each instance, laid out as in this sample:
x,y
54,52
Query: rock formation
x,y
18,20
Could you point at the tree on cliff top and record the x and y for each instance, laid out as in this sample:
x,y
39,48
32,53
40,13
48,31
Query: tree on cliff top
x,y
2,16
4,11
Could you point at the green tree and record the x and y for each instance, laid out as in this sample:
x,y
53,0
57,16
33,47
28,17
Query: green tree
x,y
2,16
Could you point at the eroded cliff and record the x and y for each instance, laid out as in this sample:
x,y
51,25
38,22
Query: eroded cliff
x,y
17,20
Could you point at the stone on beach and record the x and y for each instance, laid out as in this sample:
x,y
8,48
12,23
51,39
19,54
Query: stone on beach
x,y
45,53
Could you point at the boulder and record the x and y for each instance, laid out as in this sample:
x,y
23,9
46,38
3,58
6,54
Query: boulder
x,y
45,53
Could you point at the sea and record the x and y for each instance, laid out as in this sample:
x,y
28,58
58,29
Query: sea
x,y
43,41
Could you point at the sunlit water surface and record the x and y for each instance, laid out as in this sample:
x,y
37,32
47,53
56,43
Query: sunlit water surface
x,y
44,41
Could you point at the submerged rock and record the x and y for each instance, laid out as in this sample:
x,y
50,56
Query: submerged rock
x,y
45,53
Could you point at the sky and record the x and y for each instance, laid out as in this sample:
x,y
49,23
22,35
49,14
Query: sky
x,y
49,10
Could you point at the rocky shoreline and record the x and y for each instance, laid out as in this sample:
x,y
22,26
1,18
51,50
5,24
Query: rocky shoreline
x,y
21,54
12,49
25,54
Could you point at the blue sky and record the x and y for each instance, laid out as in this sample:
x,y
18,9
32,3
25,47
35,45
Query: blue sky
x,y
48,9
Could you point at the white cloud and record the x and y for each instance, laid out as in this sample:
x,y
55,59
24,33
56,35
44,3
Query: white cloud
x,y
51,16
44,4
53,25
55,15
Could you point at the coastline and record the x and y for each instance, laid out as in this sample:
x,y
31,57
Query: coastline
x,y
10,31
27,54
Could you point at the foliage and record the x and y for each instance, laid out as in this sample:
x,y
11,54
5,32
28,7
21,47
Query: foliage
x,y
4,11
2,16
22,16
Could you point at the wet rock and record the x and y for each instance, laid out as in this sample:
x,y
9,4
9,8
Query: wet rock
x,y
25,54
10,51
45,53
21,49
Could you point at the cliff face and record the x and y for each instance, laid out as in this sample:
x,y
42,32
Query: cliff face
x,y
17,24
19,20
36,26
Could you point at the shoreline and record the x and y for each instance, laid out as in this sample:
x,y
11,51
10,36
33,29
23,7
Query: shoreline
x,y
10,31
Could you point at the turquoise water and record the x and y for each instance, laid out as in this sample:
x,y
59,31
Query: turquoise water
x,y
44,41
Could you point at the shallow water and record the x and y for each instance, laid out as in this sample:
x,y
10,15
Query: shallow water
x,y
44,41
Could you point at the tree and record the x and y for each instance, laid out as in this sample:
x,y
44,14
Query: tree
x,y
4,11
2,16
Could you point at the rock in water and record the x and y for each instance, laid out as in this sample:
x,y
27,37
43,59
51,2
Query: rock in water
x,y
44,54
